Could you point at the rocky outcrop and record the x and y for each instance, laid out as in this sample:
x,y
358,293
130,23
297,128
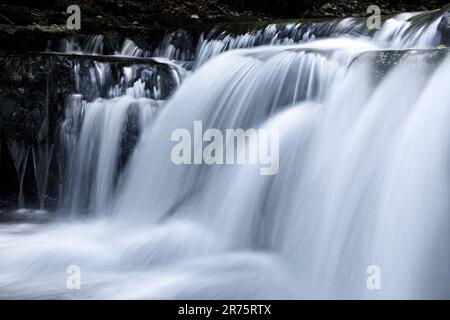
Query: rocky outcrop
x,y
384,61
326,8
444,28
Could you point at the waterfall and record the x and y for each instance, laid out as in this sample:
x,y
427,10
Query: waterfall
x,y
42,155
91,177
247,89
362,180
19,152
98,135
408,30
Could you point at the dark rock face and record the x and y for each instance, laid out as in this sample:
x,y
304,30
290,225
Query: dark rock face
x,y
337,8
182,40
32,97
444,28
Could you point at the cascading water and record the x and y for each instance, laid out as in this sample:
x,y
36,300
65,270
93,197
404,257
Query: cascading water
x,y
407,30
248,87
19,153
93,171
362,181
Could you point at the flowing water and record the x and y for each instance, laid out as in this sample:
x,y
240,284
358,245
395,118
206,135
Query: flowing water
x,y
19,153
363,176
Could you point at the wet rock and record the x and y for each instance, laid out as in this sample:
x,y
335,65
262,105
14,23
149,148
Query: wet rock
x,y
28,86
384,61
182,40
444,29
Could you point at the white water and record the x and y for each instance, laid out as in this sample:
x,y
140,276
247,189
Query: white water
x,y
91,176
363,181
406,30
